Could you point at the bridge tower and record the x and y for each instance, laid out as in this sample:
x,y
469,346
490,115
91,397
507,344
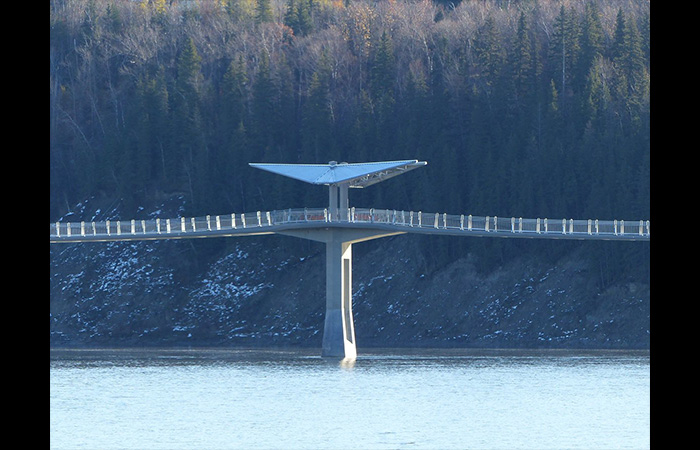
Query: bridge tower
x,y
339,328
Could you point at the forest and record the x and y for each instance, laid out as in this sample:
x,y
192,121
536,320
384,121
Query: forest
x,y
521,108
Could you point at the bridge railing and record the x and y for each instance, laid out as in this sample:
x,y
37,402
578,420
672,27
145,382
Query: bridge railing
x,y
410,219
495,224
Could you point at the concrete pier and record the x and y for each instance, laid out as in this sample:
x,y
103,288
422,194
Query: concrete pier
x,y
339,327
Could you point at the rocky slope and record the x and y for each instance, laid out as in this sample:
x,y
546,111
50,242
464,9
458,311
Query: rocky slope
x,y
270,290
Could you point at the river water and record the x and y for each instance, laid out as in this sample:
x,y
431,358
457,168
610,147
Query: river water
x,y
386,399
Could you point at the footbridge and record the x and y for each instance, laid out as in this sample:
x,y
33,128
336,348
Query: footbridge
x,y
339,225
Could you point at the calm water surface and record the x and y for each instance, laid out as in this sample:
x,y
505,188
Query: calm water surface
x,y
386,399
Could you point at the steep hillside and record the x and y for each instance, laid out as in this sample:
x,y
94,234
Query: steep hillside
x,y
270,290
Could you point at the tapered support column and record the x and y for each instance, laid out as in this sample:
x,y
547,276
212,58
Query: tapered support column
x,y
339,329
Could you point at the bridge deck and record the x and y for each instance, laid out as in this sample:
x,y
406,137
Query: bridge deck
x,y
270,222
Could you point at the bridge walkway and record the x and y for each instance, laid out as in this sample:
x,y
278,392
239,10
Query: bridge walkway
x,y
382,220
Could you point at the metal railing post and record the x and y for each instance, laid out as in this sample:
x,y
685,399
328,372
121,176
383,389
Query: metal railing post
x,y
82,228
167,225
109,232
461,222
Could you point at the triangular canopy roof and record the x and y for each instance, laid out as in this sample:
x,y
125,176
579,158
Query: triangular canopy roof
x,y
355,175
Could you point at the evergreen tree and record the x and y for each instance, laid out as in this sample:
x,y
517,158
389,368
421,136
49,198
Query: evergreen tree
x,y
618,37
263,110
414,131
286,122
235,186
298,17
383,69
189,71
382,81
189,160
597,96
154,124
488,51
114,19
632,64
523,66
645,31
563,51
317,120
631,55
233,87
263,11
591,40
241,10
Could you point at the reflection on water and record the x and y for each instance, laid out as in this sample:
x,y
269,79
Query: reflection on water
x,y
387,398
